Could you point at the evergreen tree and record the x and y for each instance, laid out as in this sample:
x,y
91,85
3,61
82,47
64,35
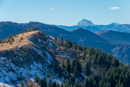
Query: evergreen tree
x,y
86,83
55,40
68,44
36,78
39,81
91,52
63,65
74,45
77,68
67,83
62,42
45,81
73,65
50,83
54,84
84,55
22,84
88,71
68,67
76,85
42,83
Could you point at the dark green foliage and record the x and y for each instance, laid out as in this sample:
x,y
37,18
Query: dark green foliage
x,y
42,82
54,84
101,69
86,82
63,65
22,84
68,66
78,85
39,81
68,44
50,83
36,78
61,42
10,39
88,71
68,83
74,45
77,68
55,41
84,55
79,47
91,52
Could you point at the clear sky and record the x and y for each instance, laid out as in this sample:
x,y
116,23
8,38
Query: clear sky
x,y
65,12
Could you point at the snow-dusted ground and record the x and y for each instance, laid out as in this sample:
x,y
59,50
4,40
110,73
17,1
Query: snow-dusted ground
x,y
5,85
11,72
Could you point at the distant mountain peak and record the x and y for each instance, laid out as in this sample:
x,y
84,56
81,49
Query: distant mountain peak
x,y
85,22
115,24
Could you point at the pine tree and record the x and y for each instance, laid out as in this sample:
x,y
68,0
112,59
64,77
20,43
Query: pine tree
x,y
62,42
86,83
44,82
84,55
54,84
36,78
76,85
50,83
88,71
63,65
77,68
22,84
68,67
73,65
74,45
68,44
91,52
55,40
67,83
39,81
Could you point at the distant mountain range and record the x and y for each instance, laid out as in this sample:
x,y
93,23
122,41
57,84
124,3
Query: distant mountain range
x,y
86,24
103,41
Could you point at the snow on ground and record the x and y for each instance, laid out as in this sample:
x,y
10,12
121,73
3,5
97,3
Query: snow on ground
x,y
39,41
11,72
48,58
31,42
83,75
5,85
38,51
51,37
7,73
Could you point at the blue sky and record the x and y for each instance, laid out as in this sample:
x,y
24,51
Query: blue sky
x,y
65,12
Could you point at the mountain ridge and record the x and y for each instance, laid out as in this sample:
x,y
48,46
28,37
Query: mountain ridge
x,y
54,31
99,28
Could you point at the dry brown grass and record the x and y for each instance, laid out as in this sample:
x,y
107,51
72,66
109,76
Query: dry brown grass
x,y
30,83
18,41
